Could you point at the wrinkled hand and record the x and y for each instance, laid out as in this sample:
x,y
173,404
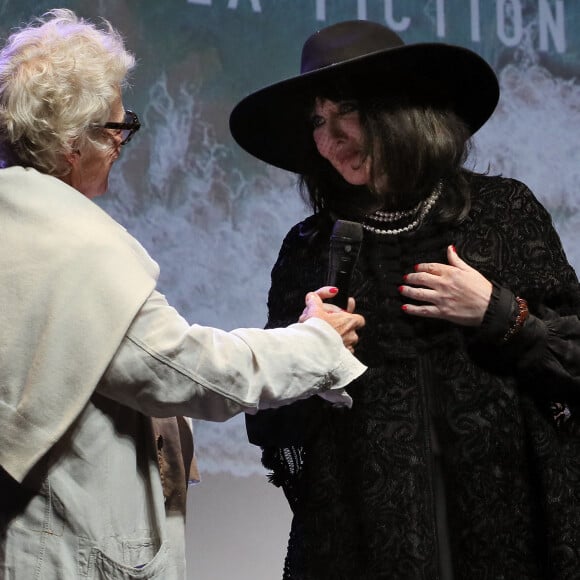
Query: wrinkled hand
x,y
345,322
455,292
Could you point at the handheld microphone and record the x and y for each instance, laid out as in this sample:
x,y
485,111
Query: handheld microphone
x,y
345,242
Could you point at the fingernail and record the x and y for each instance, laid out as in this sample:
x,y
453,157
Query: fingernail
x,y
454,249
416,267
400,288
333,290
405,276
404,308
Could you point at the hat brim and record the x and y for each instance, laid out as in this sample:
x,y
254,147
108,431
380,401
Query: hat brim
x,y
272,125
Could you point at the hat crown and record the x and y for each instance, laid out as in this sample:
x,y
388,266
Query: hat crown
x,y
345,41
363,59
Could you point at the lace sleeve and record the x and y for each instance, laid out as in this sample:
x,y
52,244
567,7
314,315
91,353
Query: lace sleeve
x,y
511,240
549,355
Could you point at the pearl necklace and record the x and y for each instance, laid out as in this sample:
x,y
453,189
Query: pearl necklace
x,y
393,216
420,210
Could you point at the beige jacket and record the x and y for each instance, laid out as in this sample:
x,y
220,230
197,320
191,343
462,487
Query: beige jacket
x,y
89,351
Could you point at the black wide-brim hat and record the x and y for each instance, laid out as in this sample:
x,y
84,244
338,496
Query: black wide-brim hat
x,y
272,123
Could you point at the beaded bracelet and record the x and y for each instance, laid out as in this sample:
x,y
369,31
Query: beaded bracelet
x,y
519,320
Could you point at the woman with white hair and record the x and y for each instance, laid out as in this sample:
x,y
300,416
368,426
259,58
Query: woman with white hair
x,y
91,485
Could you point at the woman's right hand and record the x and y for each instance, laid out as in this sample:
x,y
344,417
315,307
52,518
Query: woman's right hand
x,y
345,322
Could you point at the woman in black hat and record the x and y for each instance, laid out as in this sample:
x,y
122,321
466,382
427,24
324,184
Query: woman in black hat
x,y
460,458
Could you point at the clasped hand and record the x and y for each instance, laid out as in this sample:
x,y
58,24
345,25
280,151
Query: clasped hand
x,y
455,292
345,322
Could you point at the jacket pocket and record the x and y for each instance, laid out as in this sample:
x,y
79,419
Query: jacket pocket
x,y
103,567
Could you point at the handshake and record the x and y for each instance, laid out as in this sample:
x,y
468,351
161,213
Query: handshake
x,y
345,322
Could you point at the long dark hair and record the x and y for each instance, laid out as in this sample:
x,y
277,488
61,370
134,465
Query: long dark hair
x,y
416,146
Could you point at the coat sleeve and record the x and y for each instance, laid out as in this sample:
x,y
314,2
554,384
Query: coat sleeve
x,y
531,263
544,353
166,367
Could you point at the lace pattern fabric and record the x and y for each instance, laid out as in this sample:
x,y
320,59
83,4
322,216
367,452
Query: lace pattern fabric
x,y
360,482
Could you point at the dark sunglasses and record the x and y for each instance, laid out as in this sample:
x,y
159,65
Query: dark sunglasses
x,y
128,127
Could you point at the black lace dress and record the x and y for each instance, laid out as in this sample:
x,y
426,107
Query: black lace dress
x,y
460,457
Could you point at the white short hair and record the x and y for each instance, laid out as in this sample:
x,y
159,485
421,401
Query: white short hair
x,y
59,76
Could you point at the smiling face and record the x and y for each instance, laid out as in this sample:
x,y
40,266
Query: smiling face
x,y
339,138
90,167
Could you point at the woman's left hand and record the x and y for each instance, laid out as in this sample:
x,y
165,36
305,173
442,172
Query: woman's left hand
x,y
455,292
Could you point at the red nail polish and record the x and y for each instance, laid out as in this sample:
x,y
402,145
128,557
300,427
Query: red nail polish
x,y
454,249
405,276
404,308
333,290
400,288
416,267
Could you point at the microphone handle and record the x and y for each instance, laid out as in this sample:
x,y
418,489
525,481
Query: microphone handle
x,y
339,275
